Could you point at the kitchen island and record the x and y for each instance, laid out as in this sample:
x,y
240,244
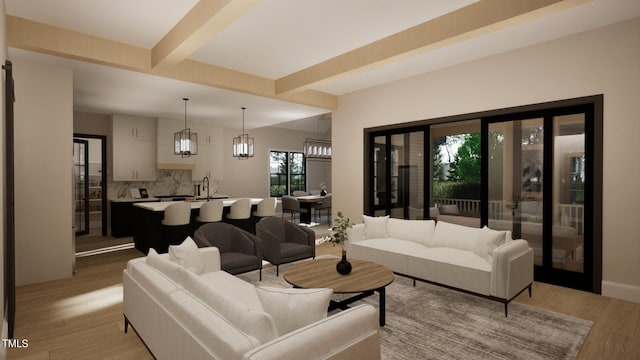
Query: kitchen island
x,y
122,210
147,229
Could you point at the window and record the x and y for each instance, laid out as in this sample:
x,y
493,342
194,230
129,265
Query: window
x,y
287,173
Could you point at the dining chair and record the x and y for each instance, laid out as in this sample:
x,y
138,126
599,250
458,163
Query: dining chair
x,y
324,205
300,193
291,205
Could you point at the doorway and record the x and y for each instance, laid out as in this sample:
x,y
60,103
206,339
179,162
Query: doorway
x,y
80,186
90,184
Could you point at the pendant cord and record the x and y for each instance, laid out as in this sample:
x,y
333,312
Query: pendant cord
x,y
243,109
185,111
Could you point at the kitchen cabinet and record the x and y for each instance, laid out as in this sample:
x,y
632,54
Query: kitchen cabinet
x,y
165,157
134,152
208,162
123,217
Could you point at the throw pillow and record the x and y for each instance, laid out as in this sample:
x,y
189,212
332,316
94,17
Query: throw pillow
x,y
419,231
455,236
187,255
375,227
256,323
292,309
170,269
487,241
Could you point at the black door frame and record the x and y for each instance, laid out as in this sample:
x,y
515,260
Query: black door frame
x,y
546,272
85,187
103,148
369,175
593,106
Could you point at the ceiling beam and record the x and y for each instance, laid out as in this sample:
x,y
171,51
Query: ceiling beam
x,y
34,36
465,23
199,25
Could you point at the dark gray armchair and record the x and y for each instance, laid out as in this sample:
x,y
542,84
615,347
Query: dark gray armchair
x,y
284,242
240,251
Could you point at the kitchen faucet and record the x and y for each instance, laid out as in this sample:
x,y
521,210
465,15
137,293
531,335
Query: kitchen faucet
x,y
205,180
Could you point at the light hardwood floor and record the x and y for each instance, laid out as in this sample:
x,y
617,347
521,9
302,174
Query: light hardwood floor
x,y
81,317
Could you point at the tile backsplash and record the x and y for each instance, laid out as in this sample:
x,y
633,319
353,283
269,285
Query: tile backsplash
x,y
169,182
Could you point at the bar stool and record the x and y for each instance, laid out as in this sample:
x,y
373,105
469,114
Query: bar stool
x,y
176,225
266,208
210,211
240,214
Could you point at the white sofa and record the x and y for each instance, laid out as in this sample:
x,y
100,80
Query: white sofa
x,y
480,261
183,306
566,245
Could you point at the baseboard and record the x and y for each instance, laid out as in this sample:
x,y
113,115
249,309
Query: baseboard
x,y
621,291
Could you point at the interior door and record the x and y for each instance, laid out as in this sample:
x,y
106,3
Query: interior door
x,y
81,186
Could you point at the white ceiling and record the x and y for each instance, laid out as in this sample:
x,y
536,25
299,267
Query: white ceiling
x,y
272,40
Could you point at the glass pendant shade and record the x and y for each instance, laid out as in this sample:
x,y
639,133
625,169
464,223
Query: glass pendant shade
x,y
317,149
243,146
185,142
243,143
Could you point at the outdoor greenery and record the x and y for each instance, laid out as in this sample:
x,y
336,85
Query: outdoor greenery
x,y
462,179
466,166
288,173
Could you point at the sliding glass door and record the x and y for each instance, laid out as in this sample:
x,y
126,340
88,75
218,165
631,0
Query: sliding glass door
x,y
515,182
536,180
398,175
533,171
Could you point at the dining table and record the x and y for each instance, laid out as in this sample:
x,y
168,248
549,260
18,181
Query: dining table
x,y
308,202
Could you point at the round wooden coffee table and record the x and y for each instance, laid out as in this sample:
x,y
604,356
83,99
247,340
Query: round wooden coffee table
x,y
365,279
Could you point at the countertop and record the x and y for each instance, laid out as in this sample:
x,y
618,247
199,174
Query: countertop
x,y
160,206
151,199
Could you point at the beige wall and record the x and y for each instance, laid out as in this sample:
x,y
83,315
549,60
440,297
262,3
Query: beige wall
x,y
90,123
251,177
43,136
603,61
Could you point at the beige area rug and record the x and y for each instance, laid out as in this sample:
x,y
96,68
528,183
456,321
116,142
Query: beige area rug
x,y
432,322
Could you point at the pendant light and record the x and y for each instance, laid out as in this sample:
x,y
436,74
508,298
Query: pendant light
x,y
185,142
317,149
243,144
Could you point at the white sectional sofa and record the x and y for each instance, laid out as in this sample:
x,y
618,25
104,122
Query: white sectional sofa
x,y
183,306
480,261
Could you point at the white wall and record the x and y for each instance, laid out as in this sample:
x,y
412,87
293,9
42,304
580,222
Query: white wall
x,y
603,61
251,177
43,156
